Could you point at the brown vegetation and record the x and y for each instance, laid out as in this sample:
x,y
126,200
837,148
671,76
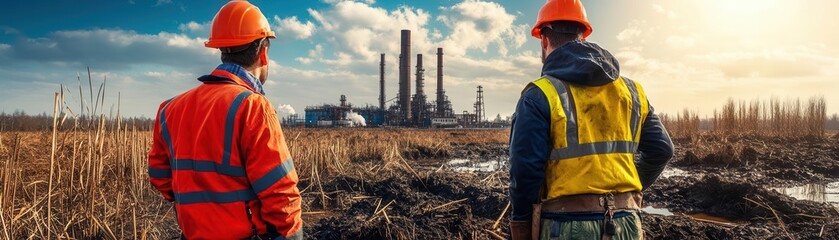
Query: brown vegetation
x,y
791,118
100,185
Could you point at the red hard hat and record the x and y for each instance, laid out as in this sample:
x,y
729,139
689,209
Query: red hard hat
x,y
236,24
561,10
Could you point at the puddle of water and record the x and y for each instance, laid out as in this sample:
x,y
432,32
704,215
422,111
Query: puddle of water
x,y
702,216
823,193
657,210
660,210
670,172
467,165
458,161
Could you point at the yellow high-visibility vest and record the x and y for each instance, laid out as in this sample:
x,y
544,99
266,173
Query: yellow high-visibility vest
x,y
595,132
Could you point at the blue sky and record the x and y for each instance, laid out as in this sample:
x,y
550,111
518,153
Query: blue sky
x,y
684,52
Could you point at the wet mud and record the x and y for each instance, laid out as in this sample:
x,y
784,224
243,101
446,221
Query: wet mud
x,y
715,188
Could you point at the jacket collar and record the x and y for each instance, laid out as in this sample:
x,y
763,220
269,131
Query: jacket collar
x,y
232,73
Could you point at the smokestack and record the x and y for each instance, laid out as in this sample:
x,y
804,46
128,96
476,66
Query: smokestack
x,y
382,84
480,111
419,102
440,92
420,78
405,76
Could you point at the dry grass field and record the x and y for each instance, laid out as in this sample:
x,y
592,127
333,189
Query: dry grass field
x,y
96,186
87,179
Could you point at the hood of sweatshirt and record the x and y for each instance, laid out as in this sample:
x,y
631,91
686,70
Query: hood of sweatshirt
x,y
583,63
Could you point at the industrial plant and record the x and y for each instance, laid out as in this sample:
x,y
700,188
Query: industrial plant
x,y
405,110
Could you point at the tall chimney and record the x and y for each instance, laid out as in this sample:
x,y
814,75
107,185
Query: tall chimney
x,y
382,84
419,102
405,76
441,94
420,77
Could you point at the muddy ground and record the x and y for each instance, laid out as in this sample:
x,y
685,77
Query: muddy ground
x,y
715,188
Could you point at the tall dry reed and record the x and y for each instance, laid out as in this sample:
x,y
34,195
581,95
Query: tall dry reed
x,y
790,118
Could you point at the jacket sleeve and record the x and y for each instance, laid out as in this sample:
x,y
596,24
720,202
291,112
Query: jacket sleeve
x,y
160,173
655,148
529,151
270,168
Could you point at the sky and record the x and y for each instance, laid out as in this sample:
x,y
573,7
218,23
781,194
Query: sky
x,y
688,54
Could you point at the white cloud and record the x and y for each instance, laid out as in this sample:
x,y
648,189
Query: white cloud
x,y
436,35
630,33
293,28
304,60
154,74
358,32
193,26
661,10
317,51
476,25
112,48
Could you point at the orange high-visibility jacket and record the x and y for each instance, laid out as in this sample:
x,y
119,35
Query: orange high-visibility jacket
x,y
220,155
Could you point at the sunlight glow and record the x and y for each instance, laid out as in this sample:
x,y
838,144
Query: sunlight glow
x,y
749,16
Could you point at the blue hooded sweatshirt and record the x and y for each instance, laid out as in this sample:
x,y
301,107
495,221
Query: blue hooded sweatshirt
x,y
581,63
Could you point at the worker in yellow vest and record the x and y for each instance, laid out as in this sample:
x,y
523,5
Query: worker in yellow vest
x,y
574,170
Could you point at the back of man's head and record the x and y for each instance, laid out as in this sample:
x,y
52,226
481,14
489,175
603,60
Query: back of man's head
x,y
561,32
246,55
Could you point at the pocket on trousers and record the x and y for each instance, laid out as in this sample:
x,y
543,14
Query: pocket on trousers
x,y
629,227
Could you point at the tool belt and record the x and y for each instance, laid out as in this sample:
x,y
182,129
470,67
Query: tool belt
x,y
592,203
607,204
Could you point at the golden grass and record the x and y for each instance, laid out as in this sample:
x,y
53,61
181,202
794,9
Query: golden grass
x,y
330,150
791,118
683,125
100,185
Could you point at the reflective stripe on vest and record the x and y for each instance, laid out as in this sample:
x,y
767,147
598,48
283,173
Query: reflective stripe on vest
x,y
595,132
573,148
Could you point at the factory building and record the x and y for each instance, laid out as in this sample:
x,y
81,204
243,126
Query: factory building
x,y
341,115
408,110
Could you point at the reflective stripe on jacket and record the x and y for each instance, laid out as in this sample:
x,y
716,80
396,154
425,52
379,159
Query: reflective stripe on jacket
x,y
219,153
594,132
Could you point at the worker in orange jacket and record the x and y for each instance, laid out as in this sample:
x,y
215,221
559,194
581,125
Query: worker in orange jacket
x,y
218,152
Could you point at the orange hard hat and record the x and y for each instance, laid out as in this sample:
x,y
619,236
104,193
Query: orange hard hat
x,y
236,24
561,10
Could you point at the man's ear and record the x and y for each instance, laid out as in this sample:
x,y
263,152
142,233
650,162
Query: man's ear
x,y
544,42
263,56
